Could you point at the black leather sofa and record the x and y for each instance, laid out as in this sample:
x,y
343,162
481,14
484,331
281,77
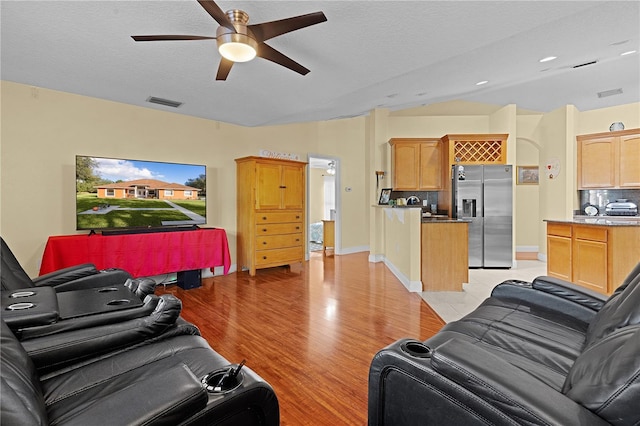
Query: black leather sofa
x,y
541,353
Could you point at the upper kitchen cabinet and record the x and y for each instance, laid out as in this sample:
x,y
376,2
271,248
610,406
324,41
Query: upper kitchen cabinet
x,y
416,164
609,160
475,149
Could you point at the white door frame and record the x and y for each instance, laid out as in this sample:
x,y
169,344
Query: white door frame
x,y
338,238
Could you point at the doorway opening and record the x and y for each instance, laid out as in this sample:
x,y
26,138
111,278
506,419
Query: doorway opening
x,y
323,201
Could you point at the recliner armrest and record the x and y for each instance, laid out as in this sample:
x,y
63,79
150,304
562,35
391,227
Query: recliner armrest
x,y
176,394
553,295
102,278
570,291
40,307
66,274
511,390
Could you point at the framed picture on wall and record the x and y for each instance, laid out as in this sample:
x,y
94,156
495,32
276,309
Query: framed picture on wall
x,y
527,175
385,194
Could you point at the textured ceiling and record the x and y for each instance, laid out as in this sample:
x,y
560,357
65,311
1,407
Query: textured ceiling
x,y
369,54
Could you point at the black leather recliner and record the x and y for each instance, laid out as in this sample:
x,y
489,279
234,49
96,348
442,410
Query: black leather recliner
x,y
84,276
542,353
146,371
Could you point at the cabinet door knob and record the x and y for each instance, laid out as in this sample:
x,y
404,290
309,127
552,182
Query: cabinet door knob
x,y
264,243
297,227
264,230
297,217
264,257
264,218
282,187
297,239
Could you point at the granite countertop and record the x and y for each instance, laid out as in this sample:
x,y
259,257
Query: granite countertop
x,y
444,219
601,220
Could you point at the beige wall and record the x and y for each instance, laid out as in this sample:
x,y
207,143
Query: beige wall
x,y
43,130
527,205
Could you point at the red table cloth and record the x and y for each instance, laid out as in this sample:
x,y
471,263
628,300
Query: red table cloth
x,y
142,255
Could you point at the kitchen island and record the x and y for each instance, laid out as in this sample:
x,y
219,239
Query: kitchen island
x,y
594,252
425,254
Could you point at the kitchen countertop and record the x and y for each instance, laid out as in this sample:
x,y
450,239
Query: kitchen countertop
x,y
442,220
601,220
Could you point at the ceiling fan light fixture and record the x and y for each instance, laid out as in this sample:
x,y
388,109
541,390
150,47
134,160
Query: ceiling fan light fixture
x,y
237,47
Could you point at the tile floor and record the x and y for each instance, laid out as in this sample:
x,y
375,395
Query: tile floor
x,y
453,305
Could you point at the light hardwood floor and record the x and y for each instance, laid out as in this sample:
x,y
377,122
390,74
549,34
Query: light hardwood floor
x,y
310,332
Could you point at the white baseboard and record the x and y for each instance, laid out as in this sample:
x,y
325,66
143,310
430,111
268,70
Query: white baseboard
x,y
412,286
527,249
351,250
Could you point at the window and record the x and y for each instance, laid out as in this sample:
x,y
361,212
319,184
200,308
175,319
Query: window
x,y
188,193
168,192
110,192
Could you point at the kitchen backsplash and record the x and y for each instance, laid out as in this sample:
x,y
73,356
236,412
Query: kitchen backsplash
x,y
600,197
430,196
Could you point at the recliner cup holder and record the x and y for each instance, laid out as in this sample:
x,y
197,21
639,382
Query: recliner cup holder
x,y
223,380
20,306
416,349
22,294
107,290
118,302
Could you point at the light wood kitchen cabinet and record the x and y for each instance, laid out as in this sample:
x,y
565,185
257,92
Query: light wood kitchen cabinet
x,y
270,212
589,266
416,164
609,160
559,259
597,257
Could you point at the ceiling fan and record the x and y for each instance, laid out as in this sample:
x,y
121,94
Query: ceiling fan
x,y
239,42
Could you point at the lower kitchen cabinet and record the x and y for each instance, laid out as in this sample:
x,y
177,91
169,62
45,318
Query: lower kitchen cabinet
x,y
559,251
593,256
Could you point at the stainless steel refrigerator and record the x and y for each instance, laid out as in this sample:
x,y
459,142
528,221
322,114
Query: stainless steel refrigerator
x,y
483,195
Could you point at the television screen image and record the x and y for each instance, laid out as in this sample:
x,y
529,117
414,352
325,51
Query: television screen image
x,y
114,193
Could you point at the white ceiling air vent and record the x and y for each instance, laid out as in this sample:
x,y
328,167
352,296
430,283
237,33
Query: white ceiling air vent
x,y
165,102
609,93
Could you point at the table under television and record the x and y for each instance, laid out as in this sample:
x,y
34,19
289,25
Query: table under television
x,y
141,254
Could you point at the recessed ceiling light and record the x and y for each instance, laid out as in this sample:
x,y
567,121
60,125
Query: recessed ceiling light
x,y
548,58
480,83
628,52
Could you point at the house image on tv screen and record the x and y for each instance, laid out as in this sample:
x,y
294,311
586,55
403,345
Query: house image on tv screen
x,y
147,189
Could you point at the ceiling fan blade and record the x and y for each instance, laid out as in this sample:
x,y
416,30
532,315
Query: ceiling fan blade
x,y
216,13
223,69
269,53
170,37
267,30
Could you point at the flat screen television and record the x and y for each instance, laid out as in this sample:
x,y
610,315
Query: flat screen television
x,y
122,194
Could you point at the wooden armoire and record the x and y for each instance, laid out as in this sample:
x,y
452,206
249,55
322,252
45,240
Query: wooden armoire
x,y
270,224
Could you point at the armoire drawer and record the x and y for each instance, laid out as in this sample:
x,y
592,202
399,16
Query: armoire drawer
x,y
267,242
278,217
278,228
267,257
